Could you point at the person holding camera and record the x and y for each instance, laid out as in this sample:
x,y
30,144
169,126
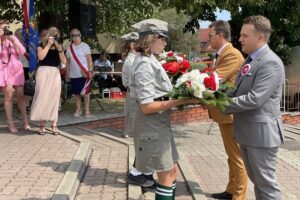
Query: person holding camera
x,y
12,74
46,98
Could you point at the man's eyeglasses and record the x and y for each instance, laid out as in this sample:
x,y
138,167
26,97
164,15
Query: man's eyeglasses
x,y
212,34
75,35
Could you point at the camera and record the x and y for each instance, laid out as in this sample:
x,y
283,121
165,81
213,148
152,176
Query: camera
x,y
58,39
7,32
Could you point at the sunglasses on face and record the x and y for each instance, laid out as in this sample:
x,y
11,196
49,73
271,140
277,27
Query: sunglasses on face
x,y
75,35
5,27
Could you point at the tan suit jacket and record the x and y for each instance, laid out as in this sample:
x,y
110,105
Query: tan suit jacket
x,y
227,65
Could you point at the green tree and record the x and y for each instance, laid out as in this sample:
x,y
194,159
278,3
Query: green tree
x,y
116,16
284,16
178,40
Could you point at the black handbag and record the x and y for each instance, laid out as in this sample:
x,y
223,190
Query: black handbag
x,y
29,87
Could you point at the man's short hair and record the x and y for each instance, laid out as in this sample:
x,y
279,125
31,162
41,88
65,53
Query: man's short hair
x,y
261,24
222,27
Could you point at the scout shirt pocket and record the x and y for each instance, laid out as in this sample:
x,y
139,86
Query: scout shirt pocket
x,y
163,80
149,146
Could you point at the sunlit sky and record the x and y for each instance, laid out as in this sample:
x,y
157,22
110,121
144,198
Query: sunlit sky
x,y
224,15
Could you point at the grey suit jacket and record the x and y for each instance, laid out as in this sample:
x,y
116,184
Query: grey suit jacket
x,y
256,107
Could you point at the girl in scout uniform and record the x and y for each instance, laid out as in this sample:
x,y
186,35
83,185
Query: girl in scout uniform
x,y
135,177
154,143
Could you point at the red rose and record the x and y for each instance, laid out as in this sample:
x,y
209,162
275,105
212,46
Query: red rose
x,y
207,70
184,66
210,83
181,55
170,54
171,67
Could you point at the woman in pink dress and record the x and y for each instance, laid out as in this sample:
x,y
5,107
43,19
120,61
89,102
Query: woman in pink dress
x,y
11,75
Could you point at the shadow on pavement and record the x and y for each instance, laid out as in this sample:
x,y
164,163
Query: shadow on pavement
x,y
55,166
98,176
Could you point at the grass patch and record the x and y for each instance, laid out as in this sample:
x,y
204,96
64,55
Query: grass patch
x,y
108,105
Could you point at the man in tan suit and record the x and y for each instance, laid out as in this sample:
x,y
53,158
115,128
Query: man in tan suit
x,y
227,64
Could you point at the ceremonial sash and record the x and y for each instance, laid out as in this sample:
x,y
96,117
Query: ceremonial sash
x,y
87,86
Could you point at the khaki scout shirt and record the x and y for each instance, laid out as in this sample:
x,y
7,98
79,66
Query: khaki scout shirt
x,y
127,69
148,79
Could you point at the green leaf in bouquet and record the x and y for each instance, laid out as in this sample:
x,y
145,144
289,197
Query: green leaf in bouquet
x,y
208,102
197,65
190,91
171,59
230,100
226,87
222,108
183,97
208,95
223,103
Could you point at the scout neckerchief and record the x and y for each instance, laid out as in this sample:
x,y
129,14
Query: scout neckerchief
x,y
87,86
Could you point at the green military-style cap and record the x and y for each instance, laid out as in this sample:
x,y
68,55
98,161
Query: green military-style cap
x,y
133,36
152,26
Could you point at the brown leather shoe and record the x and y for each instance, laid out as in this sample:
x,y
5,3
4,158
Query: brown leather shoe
x,y
223,195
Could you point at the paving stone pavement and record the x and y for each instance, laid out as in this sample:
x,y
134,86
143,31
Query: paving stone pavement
x,y
106,175
205,155
31,165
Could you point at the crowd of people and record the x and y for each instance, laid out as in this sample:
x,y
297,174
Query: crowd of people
x,y
250,126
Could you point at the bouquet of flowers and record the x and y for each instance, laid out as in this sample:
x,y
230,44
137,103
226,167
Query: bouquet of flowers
x,y
205,85
175,64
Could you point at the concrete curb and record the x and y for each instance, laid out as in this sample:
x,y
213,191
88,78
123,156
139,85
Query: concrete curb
x,y
134,191
69,184
80,119
117,139
192,184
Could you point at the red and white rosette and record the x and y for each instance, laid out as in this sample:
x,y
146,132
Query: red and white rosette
x,y
245,69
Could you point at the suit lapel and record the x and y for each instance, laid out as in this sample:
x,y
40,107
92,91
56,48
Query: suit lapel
x,y
226,48
253,64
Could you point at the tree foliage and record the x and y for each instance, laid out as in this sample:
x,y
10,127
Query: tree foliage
x,y
178,40
117,16
283,14
285,19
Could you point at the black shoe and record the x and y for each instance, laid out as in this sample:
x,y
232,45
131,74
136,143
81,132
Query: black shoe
x,y
139,180
223,195
150,178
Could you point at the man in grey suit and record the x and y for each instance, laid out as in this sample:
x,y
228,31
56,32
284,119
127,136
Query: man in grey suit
x,y
256,107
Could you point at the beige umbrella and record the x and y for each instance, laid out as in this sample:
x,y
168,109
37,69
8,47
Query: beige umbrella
x,y
109,43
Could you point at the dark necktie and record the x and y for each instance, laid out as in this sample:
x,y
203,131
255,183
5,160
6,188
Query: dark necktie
x,y
217,55
248,60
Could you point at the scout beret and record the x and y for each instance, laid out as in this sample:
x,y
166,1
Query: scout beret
x,y
133,36
152,26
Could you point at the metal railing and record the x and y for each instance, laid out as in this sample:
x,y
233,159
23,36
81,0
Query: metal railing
x,y
290,101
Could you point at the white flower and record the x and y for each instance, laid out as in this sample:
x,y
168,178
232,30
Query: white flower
x,y
198,88
184,78
162,62
163,55
179,58
217,80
